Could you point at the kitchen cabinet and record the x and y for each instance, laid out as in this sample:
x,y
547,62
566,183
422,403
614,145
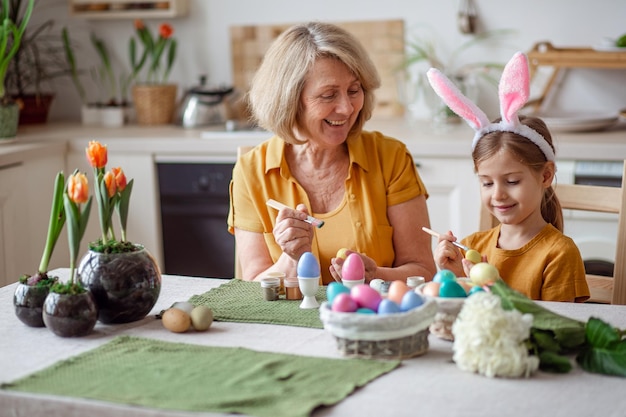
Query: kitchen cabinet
x,y
128,9
25,198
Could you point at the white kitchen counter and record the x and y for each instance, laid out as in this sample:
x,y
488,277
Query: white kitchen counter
x,y
170,140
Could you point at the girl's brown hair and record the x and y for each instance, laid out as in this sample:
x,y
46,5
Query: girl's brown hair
x,y
528,154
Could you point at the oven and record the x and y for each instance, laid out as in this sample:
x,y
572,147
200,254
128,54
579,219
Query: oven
x,y
194,202
595,234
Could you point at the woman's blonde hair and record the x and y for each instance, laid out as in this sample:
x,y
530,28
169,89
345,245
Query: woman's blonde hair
x,y
528,154
274,97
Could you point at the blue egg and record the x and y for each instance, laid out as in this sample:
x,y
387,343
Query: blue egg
x,y
364,310
444,275
475,289
308,266
411,300
451,289
388,307
334,289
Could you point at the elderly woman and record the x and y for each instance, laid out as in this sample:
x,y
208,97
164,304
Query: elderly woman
x,y
314,91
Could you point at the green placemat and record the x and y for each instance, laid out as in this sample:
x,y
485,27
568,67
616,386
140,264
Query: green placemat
x,y
179,376
242,301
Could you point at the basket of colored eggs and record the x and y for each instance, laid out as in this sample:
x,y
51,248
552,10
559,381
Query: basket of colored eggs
x,y
450,292
365,324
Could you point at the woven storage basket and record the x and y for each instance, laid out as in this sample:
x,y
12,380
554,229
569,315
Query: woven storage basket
x,y
393,336
447,311
154,103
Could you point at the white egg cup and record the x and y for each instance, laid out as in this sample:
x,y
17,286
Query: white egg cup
x,y
308,288
352,282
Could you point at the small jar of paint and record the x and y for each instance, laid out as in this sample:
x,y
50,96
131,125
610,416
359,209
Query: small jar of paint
x,y
292,289
281,279
270,287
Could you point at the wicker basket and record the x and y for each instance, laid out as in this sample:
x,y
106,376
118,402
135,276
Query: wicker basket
x,y
447,311
154,103
394,336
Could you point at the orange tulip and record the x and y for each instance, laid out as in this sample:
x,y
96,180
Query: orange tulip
x,y
139,24
109,182
166,31
97,154
120,178
78,188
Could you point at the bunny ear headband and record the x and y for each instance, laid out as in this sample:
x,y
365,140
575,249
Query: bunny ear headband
x,y
513,91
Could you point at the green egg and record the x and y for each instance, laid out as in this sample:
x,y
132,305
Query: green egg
x,y
451,289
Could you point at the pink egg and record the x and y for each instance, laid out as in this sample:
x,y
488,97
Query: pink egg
x,y
344,303
353,268
365,296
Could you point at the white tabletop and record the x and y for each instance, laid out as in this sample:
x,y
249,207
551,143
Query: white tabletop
x,y
429,385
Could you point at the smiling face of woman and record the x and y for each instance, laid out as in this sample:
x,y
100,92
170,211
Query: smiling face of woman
x,y
331,100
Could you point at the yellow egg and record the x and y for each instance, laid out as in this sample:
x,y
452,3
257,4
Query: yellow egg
x,y
397,289
201,318
176,320
473,256
483,273
341,253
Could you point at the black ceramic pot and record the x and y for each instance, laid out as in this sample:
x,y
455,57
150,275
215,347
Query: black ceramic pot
x,y
28,301
125,285
70,315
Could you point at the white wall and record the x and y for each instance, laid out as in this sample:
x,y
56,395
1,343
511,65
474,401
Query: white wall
x,y
204,46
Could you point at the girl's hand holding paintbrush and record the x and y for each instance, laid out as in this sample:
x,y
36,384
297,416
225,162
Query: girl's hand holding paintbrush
x,y
447,256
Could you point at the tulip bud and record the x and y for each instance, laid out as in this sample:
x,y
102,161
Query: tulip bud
x,y
120,178
97,154
78,188
109,182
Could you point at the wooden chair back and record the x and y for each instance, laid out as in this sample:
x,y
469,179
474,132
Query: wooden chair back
x,y
240,151
595,199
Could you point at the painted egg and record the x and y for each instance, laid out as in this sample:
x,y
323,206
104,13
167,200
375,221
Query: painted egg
x,y
410,301
483,273
444,275
476,289
376,283
335,288
344,303
397,289
365,296
201,318
431,289
388,307
451,289
353,268
365,311
473,256
308,266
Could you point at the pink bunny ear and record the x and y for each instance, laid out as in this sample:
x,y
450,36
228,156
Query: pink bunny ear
x,y
514,88
453,97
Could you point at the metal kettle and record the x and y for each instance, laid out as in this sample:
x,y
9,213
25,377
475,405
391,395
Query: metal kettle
x,y
201,106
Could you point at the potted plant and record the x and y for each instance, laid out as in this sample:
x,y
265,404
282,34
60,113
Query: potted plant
x,y
11,34
38,60
423,53
32,290
154,98
123,276
69,309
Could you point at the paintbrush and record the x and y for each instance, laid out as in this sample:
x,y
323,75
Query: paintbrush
x,y
310,219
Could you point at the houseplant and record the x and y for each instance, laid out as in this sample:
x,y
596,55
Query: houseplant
x,y
69,309
154,98
32,290
11,34
123,277
38,60
423,52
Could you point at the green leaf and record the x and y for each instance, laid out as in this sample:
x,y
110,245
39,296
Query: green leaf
x,y
123,204
56,222
604,361
552,362
545,340
600,334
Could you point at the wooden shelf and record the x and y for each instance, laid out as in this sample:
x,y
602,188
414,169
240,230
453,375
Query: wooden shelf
x,y
128,9
544,54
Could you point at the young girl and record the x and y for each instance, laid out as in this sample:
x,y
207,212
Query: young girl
x,y
515,163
